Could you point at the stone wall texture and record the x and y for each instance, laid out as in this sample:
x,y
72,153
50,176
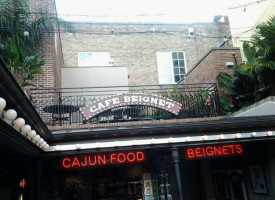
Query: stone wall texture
x,y
130,45
135,45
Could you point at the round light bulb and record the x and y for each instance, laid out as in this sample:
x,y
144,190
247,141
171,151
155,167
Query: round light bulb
x,y
10,115
36,138
26,33
43,144
2,103
238,135
46,146
40,141
26,129
269,133
171,140
31,134
187,139
153,141
57,148
19,122
221,137
78,146
205,137
134,142
97,145
116,143
254,134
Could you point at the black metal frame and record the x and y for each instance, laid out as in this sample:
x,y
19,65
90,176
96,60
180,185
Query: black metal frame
x,y
198,100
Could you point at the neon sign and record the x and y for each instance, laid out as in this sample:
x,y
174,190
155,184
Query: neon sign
x,y
92,160
214,151
130,99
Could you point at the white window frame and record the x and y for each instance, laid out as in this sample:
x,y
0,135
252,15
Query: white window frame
x,y
165,66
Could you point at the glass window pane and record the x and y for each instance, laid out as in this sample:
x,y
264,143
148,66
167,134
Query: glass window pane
x,y
181,76
176,71
81,56
93,58
180,55
175,63
177,78
174,55
182,63
182,70
88,56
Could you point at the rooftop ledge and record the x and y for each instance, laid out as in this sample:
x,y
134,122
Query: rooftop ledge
x,y
129,123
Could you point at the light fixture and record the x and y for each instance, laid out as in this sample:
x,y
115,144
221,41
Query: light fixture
x,y
205,137
229,64
238,135
57,148
40,141
190,31
112,35
254,134
31,134
171,140
135,142
36,138
43,144
18,123
46,146
269,133
70,34
26,33
2,105
97,145
111,62
116,143
221,136
187,139
153,141
9,116
78,146
26,129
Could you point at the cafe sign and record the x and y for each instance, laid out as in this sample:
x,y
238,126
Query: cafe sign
x,y
130,99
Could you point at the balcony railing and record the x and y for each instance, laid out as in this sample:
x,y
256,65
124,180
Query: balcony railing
x,y
62,106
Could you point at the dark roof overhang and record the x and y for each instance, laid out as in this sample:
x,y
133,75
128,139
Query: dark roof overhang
x,y
224,125
17,99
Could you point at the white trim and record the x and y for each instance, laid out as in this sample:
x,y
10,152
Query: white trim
x,y
162,64
157,141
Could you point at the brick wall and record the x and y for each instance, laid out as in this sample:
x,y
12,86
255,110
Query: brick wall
x,y
211,64
49,48
135,45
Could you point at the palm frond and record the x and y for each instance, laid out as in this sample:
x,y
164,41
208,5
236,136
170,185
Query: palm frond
x,y
15,18
225,79
243,71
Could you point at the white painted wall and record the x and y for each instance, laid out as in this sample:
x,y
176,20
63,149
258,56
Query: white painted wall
x,y
94,76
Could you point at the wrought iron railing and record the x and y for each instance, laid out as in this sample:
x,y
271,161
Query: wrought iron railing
x,y
62,106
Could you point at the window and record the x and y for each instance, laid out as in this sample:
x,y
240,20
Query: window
x,y
171,67
93,59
